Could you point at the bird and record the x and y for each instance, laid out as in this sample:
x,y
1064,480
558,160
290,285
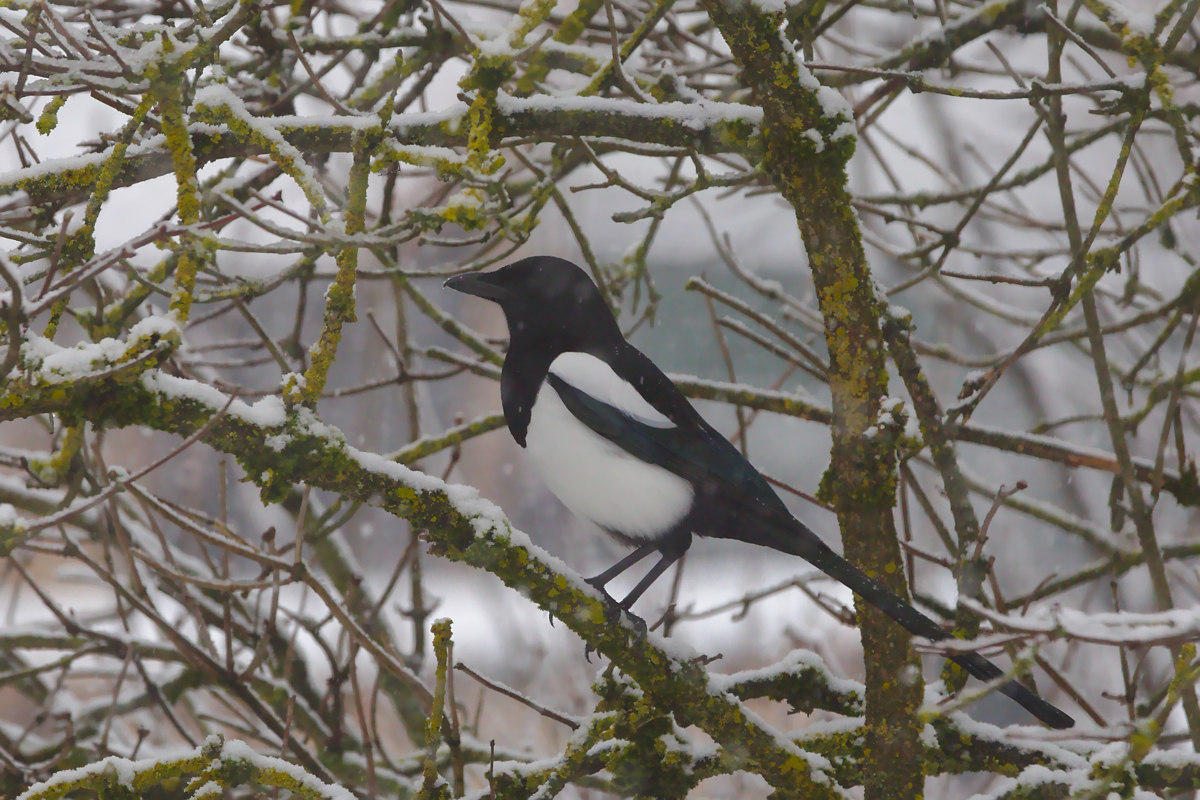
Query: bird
x,y
614,439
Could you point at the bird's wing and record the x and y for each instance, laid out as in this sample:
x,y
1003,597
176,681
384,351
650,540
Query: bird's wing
x,y
692,451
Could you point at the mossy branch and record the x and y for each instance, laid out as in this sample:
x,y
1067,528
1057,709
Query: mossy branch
x,y
339,298
218,764
67,181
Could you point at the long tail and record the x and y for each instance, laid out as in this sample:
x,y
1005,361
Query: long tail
x,y
789,535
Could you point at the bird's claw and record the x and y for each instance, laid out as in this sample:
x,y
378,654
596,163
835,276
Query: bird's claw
x,y
639,627
613,611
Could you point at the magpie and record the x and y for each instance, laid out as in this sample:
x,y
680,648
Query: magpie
x,y
622,448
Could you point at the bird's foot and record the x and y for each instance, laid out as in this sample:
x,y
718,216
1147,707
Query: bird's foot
x,y
613,613
639,626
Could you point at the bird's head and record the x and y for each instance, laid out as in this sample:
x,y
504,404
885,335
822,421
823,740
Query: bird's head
x,y
549,303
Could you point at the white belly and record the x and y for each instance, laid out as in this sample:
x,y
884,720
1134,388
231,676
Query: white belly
x,y
597,480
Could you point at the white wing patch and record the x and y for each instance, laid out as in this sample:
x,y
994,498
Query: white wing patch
x,y
592,376
598,480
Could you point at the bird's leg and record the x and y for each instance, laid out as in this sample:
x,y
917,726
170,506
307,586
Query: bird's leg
x,y
601,580
672,549
669,557
614,608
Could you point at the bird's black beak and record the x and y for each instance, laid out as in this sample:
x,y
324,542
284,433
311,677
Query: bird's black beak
x,y
478,284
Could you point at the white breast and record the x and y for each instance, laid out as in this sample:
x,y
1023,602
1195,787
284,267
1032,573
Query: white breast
x,y
593,477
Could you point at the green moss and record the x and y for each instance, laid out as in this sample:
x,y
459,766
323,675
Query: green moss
x,y
52,470
339,299
167,93
48,120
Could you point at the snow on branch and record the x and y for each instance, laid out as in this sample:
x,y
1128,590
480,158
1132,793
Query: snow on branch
x,y
216,765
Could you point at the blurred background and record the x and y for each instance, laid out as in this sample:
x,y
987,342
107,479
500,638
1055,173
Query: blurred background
x,y
922,161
